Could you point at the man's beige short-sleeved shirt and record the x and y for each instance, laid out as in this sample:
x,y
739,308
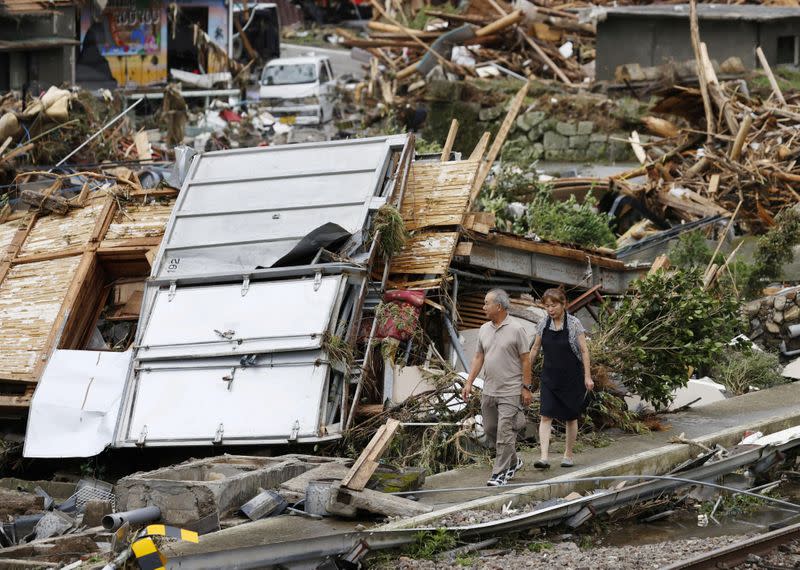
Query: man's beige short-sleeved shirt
x,y
502,346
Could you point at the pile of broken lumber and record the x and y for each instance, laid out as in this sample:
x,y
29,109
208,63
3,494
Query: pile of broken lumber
x,y
497,41
739,155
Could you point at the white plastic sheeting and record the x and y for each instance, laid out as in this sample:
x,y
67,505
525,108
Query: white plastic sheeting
x,y
76,403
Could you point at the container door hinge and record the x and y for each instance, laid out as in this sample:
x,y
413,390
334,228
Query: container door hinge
x,y
173,286
245,285
229,378
218,435
142,436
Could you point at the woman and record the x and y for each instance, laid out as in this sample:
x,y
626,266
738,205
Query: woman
x,y
566,379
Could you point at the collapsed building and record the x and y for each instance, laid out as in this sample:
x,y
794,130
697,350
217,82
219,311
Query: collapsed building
x,y
217,314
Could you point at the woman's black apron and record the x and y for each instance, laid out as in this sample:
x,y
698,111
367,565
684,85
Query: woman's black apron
x,y
563,391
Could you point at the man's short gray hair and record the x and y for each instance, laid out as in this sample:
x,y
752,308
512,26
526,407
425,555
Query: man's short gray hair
x,y
501,298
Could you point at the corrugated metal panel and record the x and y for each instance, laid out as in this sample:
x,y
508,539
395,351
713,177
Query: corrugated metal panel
x,y
244,209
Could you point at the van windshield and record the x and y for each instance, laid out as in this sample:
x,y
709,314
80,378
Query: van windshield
x,y
289,74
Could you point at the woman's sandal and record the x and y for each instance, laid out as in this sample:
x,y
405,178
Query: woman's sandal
x,y
541,464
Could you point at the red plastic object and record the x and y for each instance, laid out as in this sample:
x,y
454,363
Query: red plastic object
x,y
406,306
230,116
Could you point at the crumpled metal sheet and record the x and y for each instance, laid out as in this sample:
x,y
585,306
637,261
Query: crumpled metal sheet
x,y
75,407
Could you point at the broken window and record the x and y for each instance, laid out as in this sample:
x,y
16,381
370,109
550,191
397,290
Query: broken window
x,y
788,51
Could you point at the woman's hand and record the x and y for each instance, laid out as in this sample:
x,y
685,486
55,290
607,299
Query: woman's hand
x,y
589,383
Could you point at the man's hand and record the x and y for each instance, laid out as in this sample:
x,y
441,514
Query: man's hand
x,y
589,383
527,397
466,391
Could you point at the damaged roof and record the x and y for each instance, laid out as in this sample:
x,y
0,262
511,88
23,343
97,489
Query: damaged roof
x,y
748,12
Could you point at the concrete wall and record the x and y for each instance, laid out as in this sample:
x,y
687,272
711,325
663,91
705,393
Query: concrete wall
x,y
653,41
40,67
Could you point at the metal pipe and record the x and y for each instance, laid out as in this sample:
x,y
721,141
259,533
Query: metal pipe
x,y
462,358
94,136
136,516
479,277
684,480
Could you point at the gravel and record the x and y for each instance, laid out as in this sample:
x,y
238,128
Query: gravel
x,y
785,556
568,556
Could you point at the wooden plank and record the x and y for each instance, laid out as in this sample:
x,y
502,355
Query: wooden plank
x,y
31,298
770,76
661,262
367,462
38,199
463,249
522,244
81,273
451,139
480,148
426,253
499,140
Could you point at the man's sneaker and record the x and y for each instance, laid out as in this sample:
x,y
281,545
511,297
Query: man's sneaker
x,y
513,469
497,480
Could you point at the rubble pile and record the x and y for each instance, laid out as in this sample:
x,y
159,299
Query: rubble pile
x,y
775,320
488,39
737,157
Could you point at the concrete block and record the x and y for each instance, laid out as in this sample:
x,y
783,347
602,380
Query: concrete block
x,y
598,137
554,141
566,129
343,501
197,489
597,151
441,90
491,113
752,308
537,151
530,120
579,142
585,127
95,511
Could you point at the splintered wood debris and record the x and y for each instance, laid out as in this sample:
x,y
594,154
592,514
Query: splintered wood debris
x,y
30,299
56,233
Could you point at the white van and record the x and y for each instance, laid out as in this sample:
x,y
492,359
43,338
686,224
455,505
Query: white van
x,y
299,90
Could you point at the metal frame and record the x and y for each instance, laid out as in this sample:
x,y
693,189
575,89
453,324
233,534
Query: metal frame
x,y
353,285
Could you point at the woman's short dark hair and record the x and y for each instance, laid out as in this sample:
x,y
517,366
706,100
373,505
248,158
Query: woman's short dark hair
x,y
555,295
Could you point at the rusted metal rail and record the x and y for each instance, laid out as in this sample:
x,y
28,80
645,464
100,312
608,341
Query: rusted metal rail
x,y
737,553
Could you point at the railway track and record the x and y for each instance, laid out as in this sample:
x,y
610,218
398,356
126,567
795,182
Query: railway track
x,y
737,553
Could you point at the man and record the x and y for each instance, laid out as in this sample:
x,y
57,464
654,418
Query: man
x,y
503,355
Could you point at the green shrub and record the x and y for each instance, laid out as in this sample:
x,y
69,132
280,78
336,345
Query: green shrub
x,y
563,221
742,366
774,250
690,250
667,324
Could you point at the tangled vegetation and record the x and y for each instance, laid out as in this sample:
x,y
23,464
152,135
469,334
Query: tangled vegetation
x,y
691,251
742,366
524,206
390,229
668,325
774,250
